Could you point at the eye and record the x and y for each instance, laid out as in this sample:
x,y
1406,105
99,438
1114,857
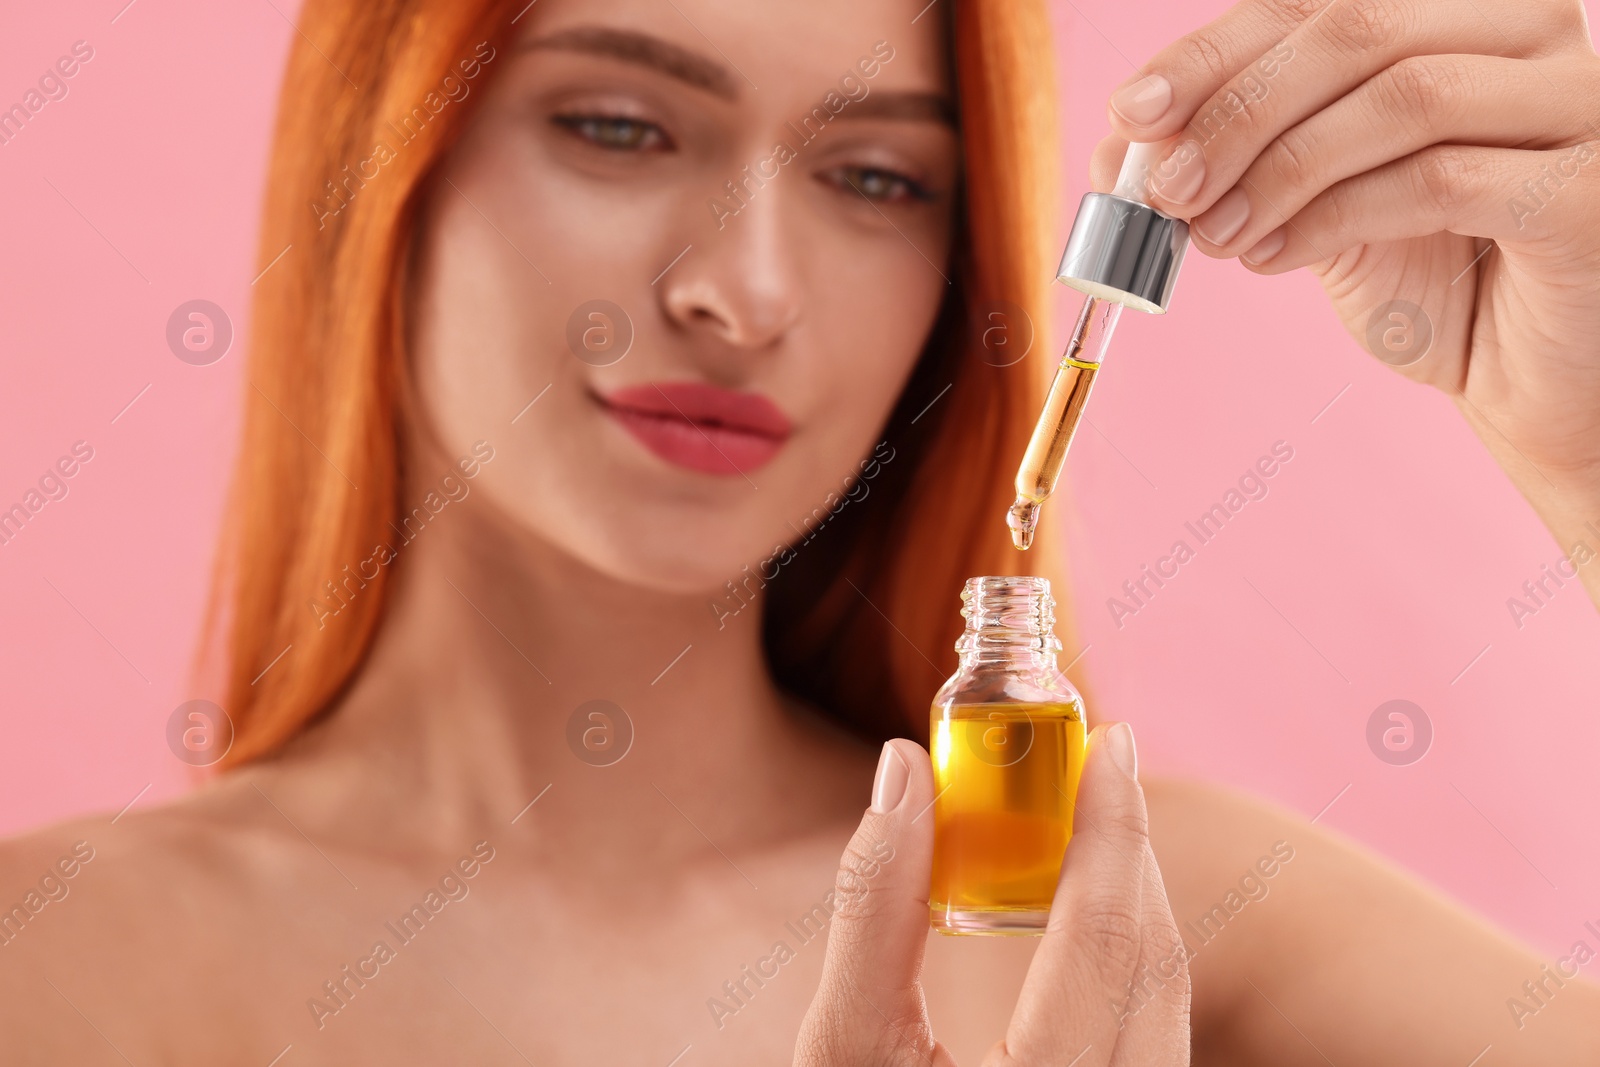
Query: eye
x,y
615,132
878,184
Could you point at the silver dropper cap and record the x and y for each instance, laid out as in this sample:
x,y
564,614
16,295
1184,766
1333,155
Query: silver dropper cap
x,y
1121,249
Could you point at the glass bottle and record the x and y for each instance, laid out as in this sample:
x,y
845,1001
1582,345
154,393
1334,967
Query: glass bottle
x,y
1007,742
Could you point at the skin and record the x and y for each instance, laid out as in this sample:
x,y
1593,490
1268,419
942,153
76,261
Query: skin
x,y
619,899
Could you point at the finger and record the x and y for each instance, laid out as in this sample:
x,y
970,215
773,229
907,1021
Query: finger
x,y
1503,194
1417,102
869,1007
1077,989
1156,102
1105,162
1155,1020
1326,56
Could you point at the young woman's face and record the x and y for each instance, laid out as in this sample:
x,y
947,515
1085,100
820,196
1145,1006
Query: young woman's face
x,y
706,240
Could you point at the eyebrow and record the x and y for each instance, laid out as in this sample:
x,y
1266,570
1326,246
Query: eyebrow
x,y
692,68
643,49
910,105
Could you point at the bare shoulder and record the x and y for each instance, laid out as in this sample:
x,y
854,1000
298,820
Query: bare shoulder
x,y
1203,833
209,834
1220,847
1301,941
1251,883
107,919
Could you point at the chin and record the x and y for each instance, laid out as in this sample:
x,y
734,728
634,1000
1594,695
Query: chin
x,y
648,537
665,555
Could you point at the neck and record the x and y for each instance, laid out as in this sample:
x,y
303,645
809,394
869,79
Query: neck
x,y
477,696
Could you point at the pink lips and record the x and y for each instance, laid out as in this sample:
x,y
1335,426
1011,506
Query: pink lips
x,y
701,427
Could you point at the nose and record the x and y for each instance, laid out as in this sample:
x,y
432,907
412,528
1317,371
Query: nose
x,y
739,282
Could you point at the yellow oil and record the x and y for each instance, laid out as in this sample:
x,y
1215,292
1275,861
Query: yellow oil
x,y
1006,776
1047,448
1058,421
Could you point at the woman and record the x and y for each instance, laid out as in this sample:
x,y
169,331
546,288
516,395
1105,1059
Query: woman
x,y
589,326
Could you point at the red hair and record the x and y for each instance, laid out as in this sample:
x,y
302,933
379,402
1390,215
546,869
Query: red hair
x,y
863,624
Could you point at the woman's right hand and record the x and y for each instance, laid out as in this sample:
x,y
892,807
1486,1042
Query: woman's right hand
x,y
1109,983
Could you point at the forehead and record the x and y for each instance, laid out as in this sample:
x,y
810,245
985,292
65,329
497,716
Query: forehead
x,y
760,51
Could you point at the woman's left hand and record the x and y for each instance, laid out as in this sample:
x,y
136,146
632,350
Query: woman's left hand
x,y
1438,167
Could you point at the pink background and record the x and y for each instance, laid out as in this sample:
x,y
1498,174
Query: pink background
x,y
1381,559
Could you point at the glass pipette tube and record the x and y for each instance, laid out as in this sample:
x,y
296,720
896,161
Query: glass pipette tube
x,y
1063,410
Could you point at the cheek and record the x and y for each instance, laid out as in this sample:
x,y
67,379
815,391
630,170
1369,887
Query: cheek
x,y
879,324
488,341
482,330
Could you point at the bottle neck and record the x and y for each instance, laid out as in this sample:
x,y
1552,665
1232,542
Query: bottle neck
x,y
1010,623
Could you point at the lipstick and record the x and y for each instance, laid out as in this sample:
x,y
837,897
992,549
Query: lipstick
x,y
701,427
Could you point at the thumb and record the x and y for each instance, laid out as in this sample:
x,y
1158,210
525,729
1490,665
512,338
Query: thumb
x,y
1111,934
869,1008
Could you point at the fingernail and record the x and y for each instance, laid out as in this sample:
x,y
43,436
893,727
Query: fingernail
x,y
1119,739
889,785
1179,176
1266,248
1225,218
1142,102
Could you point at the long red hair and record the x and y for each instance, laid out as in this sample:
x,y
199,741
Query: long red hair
x,y
863,624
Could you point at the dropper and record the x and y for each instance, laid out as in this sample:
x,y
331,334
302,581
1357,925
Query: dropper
x,y
1122,253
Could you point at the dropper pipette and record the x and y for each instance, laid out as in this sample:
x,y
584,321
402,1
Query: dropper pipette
x,y
1122,253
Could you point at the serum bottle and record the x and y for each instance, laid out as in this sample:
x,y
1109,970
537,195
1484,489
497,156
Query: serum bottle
x,y
1007,741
